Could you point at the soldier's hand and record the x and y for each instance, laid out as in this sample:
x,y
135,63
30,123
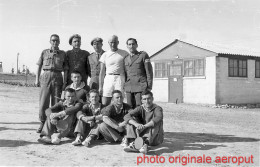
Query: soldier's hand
x,y
91,123
100,91
54,121
37,83
122,124
140,127
120,129
53,115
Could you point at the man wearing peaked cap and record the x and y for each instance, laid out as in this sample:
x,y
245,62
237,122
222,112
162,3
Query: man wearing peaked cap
x,y
97,39
94,62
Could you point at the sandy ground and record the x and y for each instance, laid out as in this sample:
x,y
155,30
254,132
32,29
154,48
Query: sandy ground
x,y
190,130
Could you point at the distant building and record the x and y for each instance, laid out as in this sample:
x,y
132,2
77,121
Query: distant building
x,y
1,66
187,73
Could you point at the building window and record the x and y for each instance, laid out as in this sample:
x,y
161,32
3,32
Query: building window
x,y
257,68
194,67
237,68
160,70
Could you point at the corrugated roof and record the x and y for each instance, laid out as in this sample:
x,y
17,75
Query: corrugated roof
x,y
217,48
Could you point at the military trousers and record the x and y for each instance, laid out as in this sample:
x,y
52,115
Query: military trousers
x,y
154,135
48,128
134,99
110,134
51,89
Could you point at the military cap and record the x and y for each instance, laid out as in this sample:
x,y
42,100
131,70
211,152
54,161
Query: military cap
x,y
74,36
97,39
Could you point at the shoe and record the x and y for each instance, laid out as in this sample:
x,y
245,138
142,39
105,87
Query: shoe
x,y
39,130
45,140
86,142
77,142
144,149
130,148
56,141
124,142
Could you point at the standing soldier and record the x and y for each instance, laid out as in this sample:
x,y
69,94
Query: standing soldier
x,y
139,73
77,60
94,62
112,74
53,62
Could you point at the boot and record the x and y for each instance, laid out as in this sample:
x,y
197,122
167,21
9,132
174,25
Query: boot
x,y
39,130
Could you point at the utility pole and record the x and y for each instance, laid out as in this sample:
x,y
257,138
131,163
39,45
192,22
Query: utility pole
x,y
17,62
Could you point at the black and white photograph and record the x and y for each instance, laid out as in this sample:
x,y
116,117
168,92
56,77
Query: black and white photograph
x,y
130,83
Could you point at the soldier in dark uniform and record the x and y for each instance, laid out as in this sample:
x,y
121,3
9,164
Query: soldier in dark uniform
x,y
77,60
94,62
139,73
53,62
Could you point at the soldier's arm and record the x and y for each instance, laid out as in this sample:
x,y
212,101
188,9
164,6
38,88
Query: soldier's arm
x,y
73,109
102,75
66,69
148,71
39,69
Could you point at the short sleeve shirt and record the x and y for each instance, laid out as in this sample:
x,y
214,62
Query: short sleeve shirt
x,y
53,60
114,61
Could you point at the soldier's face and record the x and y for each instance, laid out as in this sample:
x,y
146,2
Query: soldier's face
x,y
117,98
70,97
132,46
97,46
76,42
76,78
113,43
94,98
147,100
54,41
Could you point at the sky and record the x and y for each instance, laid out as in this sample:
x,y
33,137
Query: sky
x,y
26,25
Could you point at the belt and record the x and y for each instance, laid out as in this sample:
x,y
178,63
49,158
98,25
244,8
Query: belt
x,y
113,74
51,70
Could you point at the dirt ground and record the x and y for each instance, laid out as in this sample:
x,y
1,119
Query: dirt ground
x,y
190,130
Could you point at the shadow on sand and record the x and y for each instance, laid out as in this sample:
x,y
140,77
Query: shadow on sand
x,y
175,141
14,143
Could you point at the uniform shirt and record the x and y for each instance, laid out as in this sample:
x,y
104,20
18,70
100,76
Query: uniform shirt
x,y
144,115
139,72
81,91
116,114
114,61
53,60
78,61
94,63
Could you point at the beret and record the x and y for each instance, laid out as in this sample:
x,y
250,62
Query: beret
x,y
74,36
97,39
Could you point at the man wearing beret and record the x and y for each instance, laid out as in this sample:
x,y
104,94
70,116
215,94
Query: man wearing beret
x,y
94,62
112,73
139,73
52,61
77,59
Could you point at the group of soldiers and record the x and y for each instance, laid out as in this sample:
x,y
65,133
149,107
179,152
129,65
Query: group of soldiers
x,y
95,109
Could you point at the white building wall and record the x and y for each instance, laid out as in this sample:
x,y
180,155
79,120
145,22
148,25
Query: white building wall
x,y
160,88
201,89
237,90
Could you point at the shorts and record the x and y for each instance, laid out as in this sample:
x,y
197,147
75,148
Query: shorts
x,y
113,82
